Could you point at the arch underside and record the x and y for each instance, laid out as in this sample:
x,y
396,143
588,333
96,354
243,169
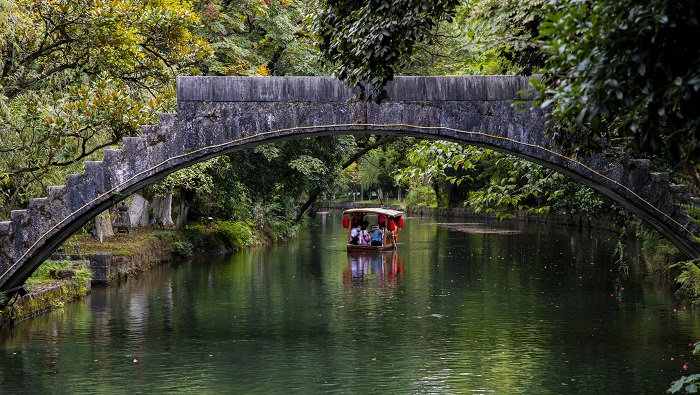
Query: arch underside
x,y
203,129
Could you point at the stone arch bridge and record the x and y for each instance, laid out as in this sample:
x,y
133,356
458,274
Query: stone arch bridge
x,y
217,115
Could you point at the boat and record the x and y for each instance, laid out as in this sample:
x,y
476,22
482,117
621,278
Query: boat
x,y
388,221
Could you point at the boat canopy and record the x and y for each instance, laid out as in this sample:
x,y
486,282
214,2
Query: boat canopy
x,y
374,210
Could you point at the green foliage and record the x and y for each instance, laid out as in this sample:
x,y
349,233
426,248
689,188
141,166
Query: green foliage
x,y
658,251
181,249
515,184
78,76
432,159
375,169
42,274
689,280
256,37
692,213
236,234
197,177
507,28
421,196
500,183
621,69
367,42
163,234
689,384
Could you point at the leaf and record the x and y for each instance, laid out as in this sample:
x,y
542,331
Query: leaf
x,y
641,69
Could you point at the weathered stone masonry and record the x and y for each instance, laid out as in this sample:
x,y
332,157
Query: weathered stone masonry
x,y
217,115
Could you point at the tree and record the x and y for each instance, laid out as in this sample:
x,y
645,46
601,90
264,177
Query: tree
x,y
77,76
498,183
258,37
376,171
625,72
509,28
368,42
193,180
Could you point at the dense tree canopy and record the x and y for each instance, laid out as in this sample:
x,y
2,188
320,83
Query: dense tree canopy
x,y
77,76
91,73
624,70
368,42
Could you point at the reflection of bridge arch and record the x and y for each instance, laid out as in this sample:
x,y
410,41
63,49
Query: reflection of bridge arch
x,y
217,115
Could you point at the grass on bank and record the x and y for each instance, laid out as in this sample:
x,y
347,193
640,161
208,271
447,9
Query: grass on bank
x,y
48,273
220,236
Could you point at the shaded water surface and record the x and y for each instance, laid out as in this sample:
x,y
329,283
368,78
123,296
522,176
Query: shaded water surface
x,y
505,308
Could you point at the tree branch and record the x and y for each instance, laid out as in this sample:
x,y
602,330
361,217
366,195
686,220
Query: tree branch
x,y
313,196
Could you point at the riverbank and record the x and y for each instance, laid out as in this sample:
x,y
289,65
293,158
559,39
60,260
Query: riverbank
x,y
124,255
110,261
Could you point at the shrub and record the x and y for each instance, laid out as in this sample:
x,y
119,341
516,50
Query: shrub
x,y
689,280
236,234
181,249
163,234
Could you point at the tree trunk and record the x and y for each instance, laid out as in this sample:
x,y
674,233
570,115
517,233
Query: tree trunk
x,y
309,202
103,225
138,211
381,141
186,196
165,214
162,209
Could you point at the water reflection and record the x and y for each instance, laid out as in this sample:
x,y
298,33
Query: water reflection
x,y
384,266
504,308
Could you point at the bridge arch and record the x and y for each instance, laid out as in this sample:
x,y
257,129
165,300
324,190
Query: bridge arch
x,y
218,115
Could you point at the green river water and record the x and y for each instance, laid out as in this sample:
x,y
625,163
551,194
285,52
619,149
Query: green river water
x,y
504,308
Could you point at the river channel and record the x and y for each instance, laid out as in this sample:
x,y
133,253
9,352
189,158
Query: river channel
x,y
505,308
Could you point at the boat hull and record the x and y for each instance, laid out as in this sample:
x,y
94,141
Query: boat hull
x,y
369,248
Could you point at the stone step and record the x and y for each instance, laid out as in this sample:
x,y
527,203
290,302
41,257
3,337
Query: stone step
x,y
642,164
18,214
98,175
113,159
167,118
19,219
37,205
680,193
56,202
41,214
664,178
55,191
74,190
5,228
133,147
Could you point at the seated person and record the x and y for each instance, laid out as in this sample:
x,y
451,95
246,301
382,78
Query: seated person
x,y
355,235
376,235
365,237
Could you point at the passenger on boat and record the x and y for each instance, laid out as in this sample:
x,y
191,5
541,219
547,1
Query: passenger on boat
x,y
376,235
355,234
364,238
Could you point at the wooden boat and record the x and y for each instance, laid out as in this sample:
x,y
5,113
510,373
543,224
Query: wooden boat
x,y
387,220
